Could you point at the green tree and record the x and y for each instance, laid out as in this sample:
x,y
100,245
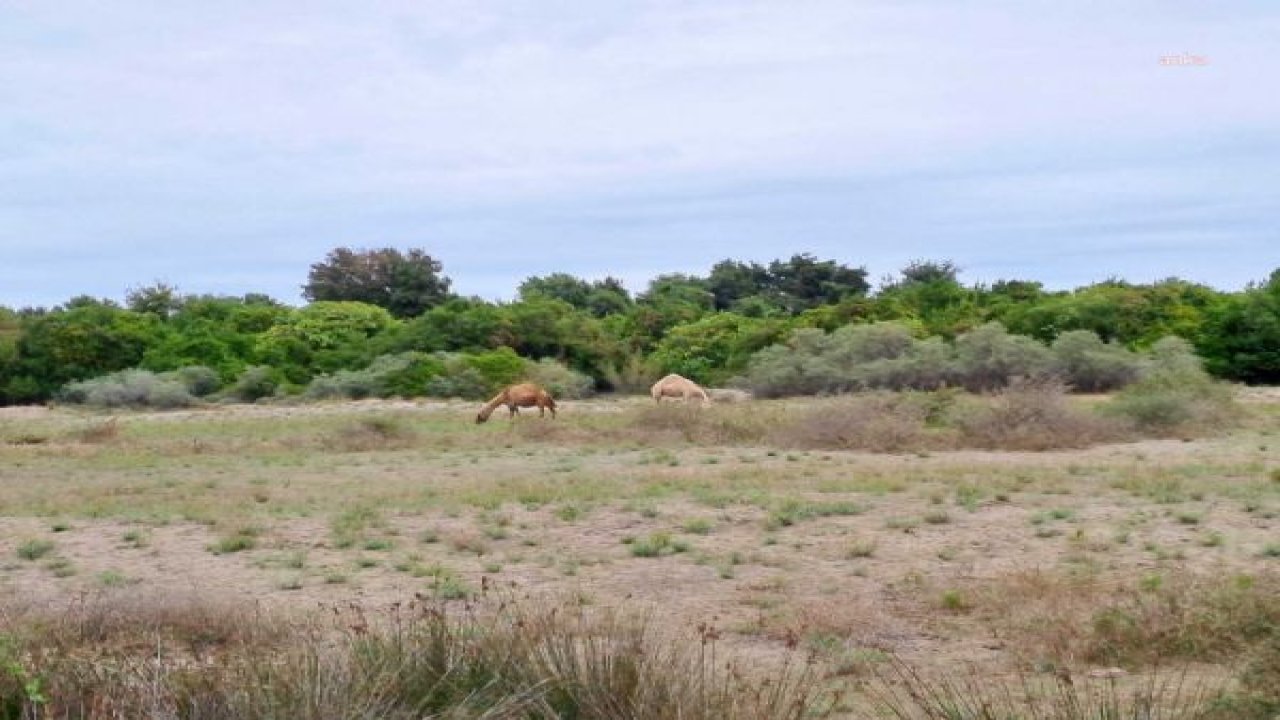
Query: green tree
x,y
716,347
731,282
159,299
600,298
405,284
928,292
1241,338
458,325
322,337
218,332
804,281
671,299
545,328
83,339
10,332
1117,311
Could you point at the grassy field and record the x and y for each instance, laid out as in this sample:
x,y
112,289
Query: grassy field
x,y
946,565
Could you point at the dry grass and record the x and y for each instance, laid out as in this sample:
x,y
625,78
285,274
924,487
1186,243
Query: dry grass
x,y
903,692
1034,415
945,557
1061,618
132,656
879,422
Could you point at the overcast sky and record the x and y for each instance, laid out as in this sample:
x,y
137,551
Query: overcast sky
x,y
224,147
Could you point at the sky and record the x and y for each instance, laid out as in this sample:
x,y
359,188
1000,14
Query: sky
x,y
225,147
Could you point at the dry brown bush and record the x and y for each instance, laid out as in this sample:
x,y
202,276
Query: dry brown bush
x,y
880,422
697,423
1033,414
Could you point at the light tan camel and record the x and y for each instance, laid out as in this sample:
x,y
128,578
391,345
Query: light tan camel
x,y
518,396
677,386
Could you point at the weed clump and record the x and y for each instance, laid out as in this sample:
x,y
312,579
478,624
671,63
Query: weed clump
x,y
35,549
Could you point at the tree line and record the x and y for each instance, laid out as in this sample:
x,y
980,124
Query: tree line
x,y
366,304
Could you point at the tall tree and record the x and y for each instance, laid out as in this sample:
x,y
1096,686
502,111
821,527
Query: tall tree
x,y
731,281
804,281
929,293
160,299
600,298
405,284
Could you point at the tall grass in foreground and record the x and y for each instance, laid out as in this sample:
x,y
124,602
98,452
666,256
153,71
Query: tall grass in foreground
x,y
135,657
904,693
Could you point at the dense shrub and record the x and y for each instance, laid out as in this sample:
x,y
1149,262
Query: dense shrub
x,y
197,379
1090,365
799,367
411,375
458,379
887,356
128,388
466,375
499,368
852,345
560,381
1176,396
926,365
404,374
715,347
255,383
986,358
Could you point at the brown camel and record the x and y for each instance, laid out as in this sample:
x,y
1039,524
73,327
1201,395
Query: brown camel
x,y
677,386
518,396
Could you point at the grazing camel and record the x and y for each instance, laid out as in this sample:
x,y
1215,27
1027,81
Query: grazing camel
x,y
518,396
677,386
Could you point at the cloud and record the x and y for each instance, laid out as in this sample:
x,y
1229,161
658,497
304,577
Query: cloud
x,y
187,139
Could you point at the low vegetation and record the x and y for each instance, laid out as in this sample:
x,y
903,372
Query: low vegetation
x,y
132,656
883,541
